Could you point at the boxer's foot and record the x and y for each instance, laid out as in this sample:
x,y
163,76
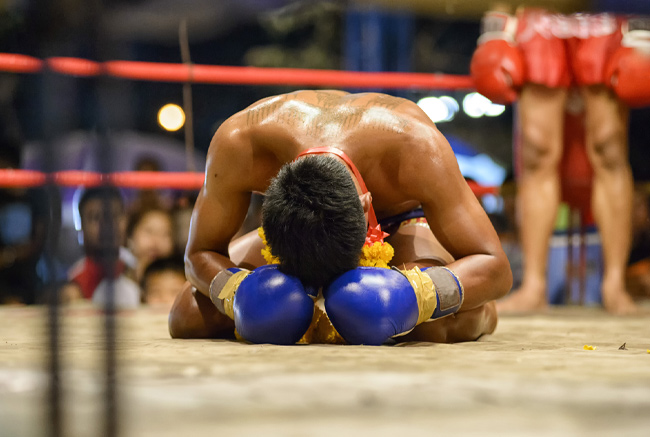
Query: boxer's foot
x,y
529,298
616,299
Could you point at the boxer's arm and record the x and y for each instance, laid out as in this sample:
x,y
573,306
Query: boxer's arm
x,y
220,207
430,174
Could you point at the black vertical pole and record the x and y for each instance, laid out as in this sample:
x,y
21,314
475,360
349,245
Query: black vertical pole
x,y
54,389
108,231
50,129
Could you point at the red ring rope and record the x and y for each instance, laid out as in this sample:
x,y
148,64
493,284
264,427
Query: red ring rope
x,y
126,179
165,72
133,179
216,74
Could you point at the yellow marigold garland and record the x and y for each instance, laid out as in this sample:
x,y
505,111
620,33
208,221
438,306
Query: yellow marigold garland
x,y
377,254
266,251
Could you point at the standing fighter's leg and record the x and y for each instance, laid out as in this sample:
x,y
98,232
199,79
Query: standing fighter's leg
x,y
541,114
416,246
613,190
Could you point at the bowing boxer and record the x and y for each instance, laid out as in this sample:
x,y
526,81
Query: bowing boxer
x,y
369,231
536,57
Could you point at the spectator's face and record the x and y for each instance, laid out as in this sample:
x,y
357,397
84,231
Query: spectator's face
x,y
161,288
152,237
92,224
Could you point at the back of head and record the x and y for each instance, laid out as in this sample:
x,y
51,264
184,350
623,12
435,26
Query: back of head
x,y
313,219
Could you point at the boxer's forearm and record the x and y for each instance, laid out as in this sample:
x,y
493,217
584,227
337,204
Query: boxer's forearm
x,y
202,266
484,278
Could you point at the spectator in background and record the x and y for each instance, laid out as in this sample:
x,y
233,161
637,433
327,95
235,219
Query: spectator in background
x,y
162,280
103,225
24,225
149,237
147,198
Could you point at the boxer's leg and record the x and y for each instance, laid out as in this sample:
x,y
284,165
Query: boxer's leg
x,y
541,113
246,251
193,315
415,245
613,190
414,242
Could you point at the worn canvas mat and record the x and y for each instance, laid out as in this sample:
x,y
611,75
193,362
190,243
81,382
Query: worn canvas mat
x,y
531,377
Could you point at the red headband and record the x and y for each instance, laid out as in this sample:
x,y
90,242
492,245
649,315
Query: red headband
x,y
374,229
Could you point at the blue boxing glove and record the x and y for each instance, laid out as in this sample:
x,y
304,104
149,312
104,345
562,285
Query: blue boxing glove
x,y
369,305
267,305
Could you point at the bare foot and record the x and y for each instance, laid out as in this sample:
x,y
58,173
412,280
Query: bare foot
x,y
616,299
527,299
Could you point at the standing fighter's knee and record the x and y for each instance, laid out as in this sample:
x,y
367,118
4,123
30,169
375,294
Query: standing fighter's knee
x,y
609,149
537,150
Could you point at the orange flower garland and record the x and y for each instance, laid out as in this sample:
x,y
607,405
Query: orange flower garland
x,y
377,254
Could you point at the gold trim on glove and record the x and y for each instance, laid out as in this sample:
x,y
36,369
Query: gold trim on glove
x,y
425,292
321,330
227,292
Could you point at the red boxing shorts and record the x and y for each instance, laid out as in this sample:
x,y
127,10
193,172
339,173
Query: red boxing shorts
x,y
564,50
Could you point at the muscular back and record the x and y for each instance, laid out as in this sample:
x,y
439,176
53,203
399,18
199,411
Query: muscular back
x,y
376,131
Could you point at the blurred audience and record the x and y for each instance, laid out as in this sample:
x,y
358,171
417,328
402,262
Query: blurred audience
x,y
103,226
24,227
126,292
181,214
149,237
162,280
505,224
148,198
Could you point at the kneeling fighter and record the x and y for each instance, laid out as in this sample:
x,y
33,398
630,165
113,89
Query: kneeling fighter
x,y
417,259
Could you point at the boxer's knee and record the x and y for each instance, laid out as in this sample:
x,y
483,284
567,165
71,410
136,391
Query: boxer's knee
x,y
415,245
193,315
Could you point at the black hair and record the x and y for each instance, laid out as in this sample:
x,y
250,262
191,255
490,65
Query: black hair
x,y
100,192
313,219
174,263
136,217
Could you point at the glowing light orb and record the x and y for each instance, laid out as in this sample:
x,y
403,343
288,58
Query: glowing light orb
x,y
171,117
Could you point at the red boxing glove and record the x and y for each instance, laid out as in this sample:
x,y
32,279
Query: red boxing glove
x,y
497,65
628,71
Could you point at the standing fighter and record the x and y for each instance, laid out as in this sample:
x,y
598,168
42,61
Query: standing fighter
x,y
536,56
318,156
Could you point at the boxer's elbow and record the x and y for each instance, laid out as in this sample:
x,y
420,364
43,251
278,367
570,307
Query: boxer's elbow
x,y
502,276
